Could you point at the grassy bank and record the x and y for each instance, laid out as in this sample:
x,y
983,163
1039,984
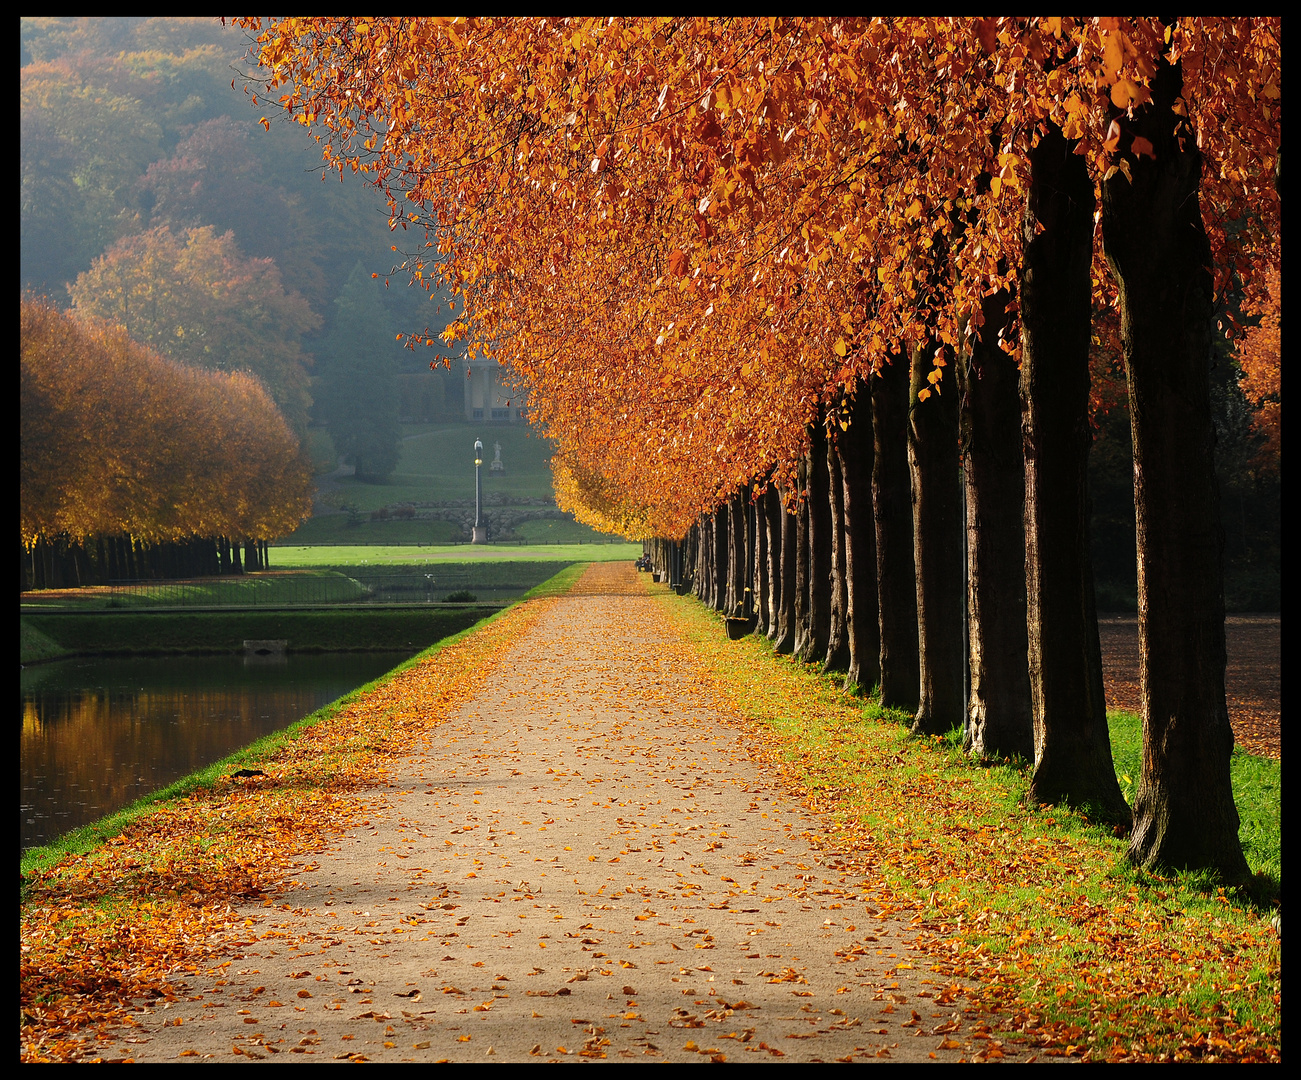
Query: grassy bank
x,y
47,636
256,755
113,912
263,589
1031,912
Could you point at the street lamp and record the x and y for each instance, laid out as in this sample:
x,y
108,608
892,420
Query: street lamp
x,y
479,535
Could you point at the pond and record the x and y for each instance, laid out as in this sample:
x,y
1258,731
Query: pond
x,y
99,733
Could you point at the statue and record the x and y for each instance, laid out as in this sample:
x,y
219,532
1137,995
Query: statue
x,y
497,466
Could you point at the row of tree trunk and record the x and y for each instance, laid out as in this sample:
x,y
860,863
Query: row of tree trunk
x,y
938,543
67,564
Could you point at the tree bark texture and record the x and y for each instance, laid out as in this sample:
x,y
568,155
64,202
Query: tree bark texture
x,y
736,555
937,547
819,544
1072,748
837,655
854,458
759,523
892,513
721,563
784,638
801,599
773,514
1156,245
1000,716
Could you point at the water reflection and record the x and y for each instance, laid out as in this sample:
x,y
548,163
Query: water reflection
x,y
98,734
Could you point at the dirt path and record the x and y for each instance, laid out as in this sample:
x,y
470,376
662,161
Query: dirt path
x,y
583,861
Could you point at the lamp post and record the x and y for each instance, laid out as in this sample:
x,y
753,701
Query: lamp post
x,y
479,535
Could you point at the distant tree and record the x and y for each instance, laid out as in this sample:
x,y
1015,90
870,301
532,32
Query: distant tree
x,y
121,447
195,297
358,383
214,178
81,146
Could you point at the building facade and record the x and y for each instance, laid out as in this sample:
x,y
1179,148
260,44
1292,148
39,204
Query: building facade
x,y
488,397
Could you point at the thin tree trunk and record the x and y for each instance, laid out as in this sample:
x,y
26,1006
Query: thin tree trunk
x,y
736,554
937,545
892,510
772,516
758,511
719,541
837,655
1072,748
1156,245
1000,716
819,544
784,639
802,564
862,617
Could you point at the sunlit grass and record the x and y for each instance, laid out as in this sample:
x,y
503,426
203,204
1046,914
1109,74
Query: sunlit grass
x,y
1036,911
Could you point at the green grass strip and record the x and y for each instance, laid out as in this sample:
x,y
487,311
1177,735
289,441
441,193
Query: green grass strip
x,y
1035,912
89,837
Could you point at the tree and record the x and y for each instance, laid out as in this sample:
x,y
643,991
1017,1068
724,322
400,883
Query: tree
x,y
1184,814
722,225
359,381
196,298
120,446
896,572
80,149
855,458
1072,747
933,463
1000,716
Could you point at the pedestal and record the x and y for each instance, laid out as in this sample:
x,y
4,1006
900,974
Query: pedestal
x,y
479,534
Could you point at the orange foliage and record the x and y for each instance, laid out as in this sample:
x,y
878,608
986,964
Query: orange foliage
x,y
687,236
1260,353
118,441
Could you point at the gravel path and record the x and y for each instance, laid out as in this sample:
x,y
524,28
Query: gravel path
x,y
582,862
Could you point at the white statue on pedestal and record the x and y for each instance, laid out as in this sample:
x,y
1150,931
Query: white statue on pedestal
x,y
497,466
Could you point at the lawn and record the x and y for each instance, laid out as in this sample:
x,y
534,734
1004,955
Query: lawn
x,y
436,477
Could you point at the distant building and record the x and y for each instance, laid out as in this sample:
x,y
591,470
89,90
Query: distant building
x,y
488,398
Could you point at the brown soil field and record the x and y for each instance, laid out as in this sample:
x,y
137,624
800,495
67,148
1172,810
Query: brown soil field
x,y
1252,680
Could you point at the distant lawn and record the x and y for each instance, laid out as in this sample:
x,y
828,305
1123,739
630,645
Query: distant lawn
x,y
287,557
437,467
337,529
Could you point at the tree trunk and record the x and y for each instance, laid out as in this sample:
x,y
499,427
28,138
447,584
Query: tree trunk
x,y
737,552
758,510
718,545
819,545
801,601
892,511
783,641
1072,748
1155,243
862,617
937,545
1000,717
837,656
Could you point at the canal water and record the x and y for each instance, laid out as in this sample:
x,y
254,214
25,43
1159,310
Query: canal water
x,y
99,733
